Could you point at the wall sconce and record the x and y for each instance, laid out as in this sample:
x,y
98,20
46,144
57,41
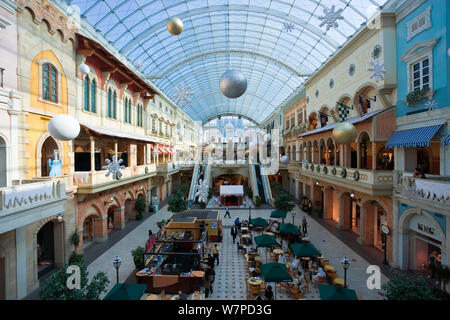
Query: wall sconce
x,y
60,217
111,200
352,195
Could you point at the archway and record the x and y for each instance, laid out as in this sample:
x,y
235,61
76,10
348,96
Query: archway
x,y
130,211
365,151
330,152
315,152
3,163
385,159
331,205
323,152
49,148
45,249
309,152
347,217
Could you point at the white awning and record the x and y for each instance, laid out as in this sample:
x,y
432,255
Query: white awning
x,y
119,134
231,190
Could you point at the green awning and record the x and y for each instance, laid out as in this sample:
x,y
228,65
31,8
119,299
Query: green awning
x,y
259,222
328,292
275,272
126,291
288,228
304,249
278,214
266,240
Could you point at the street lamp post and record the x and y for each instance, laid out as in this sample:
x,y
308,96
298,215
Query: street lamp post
x,y
249,214
116,263
384,233
293,215
345,264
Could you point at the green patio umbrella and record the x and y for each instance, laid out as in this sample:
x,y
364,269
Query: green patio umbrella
x,y
288,228
266,241
278,214
259,222
328,292
275,272
304,249
126,291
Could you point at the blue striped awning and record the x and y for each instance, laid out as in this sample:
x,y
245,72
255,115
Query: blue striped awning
x,y
447,140
412,138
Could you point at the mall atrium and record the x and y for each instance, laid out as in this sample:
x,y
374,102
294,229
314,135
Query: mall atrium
x,y
304,144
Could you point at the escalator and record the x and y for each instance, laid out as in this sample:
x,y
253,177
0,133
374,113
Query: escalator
x,y
194,181
266,184
259,183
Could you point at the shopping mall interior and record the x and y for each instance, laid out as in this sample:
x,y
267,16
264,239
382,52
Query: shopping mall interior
x,y
224,149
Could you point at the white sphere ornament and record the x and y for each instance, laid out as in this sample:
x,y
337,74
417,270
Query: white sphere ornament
x,y
344,133
84,68
233,84
175,26
267,137
284,160
64,127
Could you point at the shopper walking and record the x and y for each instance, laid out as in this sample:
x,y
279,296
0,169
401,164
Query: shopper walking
x,y
216,253
207,284
227,213
304,225
234,233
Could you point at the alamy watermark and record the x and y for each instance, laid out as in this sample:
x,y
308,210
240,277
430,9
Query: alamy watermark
x,y
374,280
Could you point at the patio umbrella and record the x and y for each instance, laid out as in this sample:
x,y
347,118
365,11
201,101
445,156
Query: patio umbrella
x,y
328,292
126,291
275,272
278,214
266,241
259,222
288,228
304,249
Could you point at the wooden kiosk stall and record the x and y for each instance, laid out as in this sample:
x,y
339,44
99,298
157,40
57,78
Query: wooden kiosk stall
x,y
208,219
173,263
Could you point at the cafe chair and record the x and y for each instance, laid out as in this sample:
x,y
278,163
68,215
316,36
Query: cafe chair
x,y
293,291
299,296
360,298
256,291
305,288
249,296
163,296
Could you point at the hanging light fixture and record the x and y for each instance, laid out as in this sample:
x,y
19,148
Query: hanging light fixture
x,y
83,68
344,133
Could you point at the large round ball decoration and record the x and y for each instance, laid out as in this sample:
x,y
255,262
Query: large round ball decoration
x,y
267,137
284,160
83,68
344,133
64,127
233,84
175,26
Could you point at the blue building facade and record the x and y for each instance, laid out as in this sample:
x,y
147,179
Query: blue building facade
x,y
421,140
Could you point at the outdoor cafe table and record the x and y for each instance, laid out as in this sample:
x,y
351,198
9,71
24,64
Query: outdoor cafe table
x,y
246,235
269,233
277,251
152,297
255,282
244,228
338,281
328,267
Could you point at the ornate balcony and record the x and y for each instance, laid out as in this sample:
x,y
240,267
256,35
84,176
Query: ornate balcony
x,y
29,201
167,168
374,182
434,190
95,181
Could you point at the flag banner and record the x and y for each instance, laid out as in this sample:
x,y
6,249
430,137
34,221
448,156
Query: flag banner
x,y
323,119
364,104
343,111
312,123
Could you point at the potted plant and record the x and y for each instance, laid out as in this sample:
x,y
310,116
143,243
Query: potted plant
x,y
416,96
176,202
138,257
257,201
140,205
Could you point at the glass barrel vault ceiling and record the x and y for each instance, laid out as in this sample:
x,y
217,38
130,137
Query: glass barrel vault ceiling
x,y
276,44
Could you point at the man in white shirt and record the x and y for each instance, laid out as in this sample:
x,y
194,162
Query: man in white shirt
x,y
320,274
295,262
282,258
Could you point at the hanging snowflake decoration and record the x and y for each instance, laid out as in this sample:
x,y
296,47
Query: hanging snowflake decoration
x,y
114,167
182,95
202,191
138,64
288,27
431,105
330,17
377,70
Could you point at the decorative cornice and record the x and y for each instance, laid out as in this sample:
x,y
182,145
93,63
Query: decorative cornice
x,y
407,8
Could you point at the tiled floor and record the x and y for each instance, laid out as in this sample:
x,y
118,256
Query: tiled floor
x,y
230,274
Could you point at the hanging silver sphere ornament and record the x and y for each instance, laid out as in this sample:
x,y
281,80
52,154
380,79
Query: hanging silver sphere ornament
x,y
64,127
233,84
267,137
175,26
344,133
284,160
83,68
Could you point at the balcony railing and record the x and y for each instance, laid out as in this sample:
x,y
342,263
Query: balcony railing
x,y
28,194
89,178
433,188
167,167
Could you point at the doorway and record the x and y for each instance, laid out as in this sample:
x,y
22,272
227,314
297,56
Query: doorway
x,y
49,148
46,249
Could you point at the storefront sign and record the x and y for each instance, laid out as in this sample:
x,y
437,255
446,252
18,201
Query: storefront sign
x,y
425,228
213,225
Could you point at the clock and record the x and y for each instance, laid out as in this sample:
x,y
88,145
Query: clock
x,y
385,229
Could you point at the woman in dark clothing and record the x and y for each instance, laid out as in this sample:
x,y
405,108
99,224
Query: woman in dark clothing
x,y
268,294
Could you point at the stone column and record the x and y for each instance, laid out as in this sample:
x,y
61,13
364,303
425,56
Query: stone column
x,y
119,218
395,234
92,154
58,236
362,225
101,228
21,261
374,155
358,155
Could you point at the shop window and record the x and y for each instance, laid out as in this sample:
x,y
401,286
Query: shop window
x,y
385,159
93,95
49,83
420,74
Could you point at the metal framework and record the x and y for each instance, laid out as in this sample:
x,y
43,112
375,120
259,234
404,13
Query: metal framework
x,y
219,34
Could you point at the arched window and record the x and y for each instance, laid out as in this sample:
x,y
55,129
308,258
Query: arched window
x,y
129,110
139,120
49,82
110,103
125,110
93,95
86,93
114,105
153,125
